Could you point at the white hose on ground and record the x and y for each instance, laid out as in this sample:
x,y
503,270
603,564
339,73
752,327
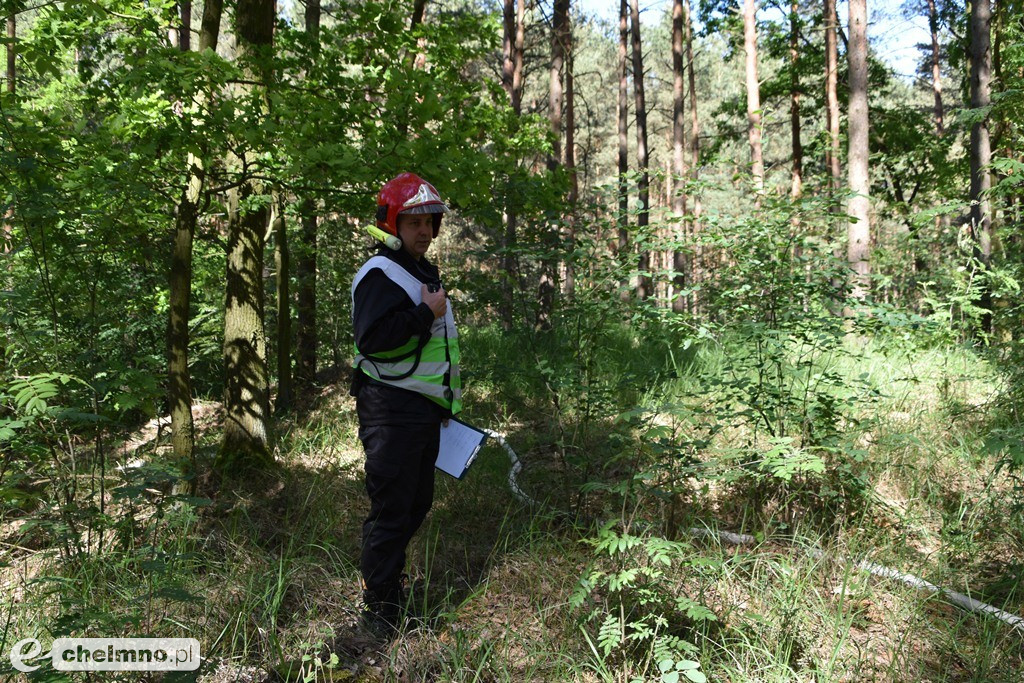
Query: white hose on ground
x,y
959,599
516,467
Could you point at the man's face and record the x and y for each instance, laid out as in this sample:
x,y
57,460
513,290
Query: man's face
x,y
416,232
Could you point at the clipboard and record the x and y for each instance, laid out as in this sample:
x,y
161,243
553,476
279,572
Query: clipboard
x,y
460,444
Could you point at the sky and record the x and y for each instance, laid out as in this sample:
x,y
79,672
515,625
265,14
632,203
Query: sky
x,y
891,36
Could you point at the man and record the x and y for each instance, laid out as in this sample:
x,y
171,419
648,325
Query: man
x,y
406,383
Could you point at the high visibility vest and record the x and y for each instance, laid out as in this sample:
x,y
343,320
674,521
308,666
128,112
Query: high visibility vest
x,y
427,366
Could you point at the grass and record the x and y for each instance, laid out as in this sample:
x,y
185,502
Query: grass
x,y
264,573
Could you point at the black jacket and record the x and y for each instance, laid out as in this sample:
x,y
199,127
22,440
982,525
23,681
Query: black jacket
x,y
384,318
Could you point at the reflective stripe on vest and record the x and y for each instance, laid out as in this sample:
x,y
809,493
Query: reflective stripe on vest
x,y
426,374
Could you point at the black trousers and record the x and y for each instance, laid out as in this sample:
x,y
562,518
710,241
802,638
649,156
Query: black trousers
x,y
400,483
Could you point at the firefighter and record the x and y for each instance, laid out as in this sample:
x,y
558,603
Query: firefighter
x,y
406,384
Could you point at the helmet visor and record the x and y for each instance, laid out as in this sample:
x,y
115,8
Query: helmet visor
x,y
426,208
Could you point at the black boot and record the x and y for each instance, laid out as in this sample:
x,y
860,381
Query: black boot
x,y
382,610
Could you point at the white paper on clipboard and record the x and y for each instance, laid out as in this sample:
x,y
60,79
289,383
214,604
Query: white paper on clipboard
x,y
460,444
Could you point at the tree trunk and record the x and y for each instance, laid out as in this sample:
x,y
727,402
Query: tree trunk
x,y
246,443
570,164
508,41
933,24
282,266
623,121
12,36
185,35
513,12
679,171
559,35
981,150
418,8
179,380
306,334
832,150
796,186
698,253
645,286
858,231
517,67
306,256
753,96
832,98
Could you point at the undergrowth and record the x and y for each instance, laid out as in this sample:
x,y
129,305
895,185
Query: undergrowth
x,y
845,451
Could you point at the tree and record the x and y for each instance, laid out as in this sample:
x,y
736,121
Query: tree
x,y
679,170
246,392
559,40
933,25
832,160
513,12
186,214
796,185
698,254
12,37
622,119
306,253
570,163
858,231
981,147
645,286
753,95
282,266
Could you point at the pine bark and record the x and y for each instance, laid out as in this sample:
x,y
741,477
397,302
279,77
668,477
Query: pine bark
x,y
508,40
570,163
513,16
933,25
246,443
981,147
680,264
832,98
559,40
179,380
519,49
306,255
645,287
698,254
623,139
559,33
858,246
753,96
796,185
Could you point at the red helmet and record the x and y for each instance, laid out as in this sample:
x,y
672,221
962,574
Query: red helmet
x,y
407,193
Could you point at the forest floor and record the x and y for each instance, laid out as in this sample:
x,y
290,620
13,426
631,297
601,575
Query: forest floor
x,y
264,572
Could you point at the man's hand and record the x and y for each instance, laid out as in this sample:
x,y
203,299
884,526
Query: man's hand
x,y
438,301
